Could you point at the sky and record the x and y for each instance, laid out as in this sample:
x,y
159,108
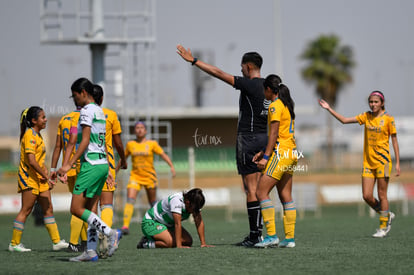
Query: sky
x,y
379,32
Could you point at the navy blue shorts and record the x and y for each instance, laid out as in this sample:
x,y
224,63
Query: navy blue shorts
x,y
247,146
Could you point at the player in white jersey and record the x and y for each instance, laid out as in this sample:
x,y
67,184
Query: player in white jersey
x,y
161,224
94,169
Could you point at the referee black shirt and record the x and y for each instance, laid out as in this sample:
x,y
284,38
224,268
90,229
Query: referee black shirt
x,y
252,105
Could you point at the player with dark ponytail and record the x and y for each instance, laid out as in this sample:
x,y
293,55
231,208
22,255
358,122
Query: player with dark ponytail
x,y
278,162
33,179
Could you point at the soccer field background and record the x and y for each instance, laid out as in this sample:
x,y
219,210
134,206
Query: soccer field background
x,y
338,242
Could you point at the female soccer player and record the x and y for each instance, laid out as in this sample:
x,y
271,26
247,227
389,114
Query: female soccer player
x,y
94,169
162,223
278,160
33,179
143,172
379,126
112,139
77,226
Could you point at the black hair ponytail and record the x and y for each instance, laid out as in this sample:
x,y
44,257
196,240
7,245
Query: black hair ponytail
x,y
284,96
26,118
274,82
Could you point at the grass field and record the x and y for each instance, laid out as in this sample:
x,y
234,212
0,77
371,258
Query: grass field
x,y
340,242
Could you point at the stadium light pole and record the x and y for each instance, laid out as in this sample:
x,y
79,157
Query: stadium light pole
x,y
98,48
278,37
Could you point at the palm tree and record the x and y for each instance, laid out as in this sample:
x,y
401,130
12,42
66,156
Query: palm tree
x,y
328,67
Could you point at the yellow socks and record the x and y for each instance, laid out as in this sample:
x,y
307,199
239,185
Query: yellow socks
x,y
18,228
76,226
383,219
52,228
128,211
268,213
289,219
107,214
84,232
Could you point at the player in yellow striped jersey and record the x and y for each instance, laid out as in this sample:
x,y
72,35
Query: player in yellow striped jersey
x,y
77,226
379,127
112,139
33,179
278,160
143,172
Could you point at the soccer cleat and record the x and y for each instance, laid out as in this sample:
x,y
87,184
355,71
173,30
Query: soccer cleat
x,y
103,246
391,217
62,244
18,248
87,256
269,241
125,230
289,243
381,233
250,242
74,248
143,243
114,238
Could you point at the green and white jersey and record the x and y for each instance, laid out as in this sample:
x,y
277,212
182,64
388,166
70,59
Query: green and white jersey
x,y
92,115
163,210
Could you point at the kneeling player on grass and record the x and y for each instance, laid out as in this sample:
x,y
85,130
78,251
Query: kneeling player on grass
x,y
162,223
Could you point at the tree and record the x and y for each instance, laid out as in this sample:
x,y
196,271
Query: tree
x,y
328,67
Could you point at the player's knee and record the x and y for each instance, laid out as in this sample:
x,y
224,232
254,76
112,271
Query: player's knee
x,y
261,195
368,197
382,196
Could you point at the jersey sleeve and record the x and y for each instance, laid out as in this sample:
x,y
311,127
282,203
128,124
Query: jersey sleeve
x,y
116,126
361,118
86,117
29,143
241,83
176,205
156,148
393,129
275,111
74,124
59,131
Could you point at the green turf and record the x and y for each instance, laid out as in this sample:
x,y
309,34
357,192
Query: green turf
x,y
340,242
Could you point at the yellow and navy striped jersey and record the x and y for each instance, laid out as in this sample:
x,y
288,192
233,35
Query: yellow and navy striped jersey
x,y
377,133
63,132
142,154
32,143
113,127
286,136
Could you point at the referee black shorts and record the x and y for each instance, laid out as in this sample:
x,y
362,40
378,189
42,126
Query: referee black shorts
x,y
247,146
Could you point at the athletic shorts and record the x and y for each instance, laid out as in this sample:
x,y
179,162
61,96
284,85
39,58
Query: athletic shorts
x,y
91,179
151,228
136,183
71,183
384,171
247,146
35,185
105,188
281,163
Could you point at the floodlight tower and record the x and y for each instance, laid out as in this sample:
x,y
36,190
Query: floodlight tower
x,y
121,37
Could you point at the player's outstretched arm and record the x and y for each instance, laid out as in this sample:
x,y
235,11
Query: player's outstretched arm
x,y
210,69
341,118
